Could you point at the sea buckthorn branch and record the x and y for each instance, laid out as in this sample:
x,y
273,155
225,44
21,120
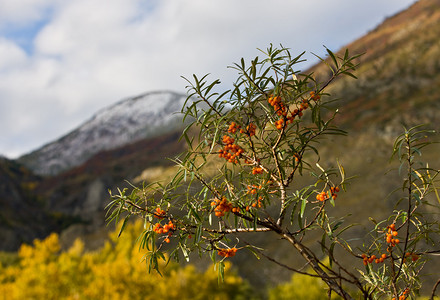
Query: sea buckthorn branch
x,y
307,254
266,134
312,136
276,145
266,223
342,65
408,140
353,279
249,73
296,270
312,221
202,91
400,262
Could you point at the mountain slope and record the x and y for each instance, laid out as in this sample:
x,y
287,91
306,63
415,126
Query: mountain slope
x,y
144,116
398,76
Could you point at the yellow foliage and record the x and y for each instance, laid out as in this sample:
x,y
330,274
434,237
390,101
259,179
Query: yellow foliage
x,y
115,271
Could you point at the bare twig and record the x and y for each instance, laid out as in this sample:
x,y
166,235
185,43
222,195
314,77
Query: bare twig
x,y
433,290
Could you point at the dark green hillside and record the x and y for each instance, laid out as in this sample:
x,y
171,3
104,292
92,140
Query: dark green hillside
x,y
22,214
34,206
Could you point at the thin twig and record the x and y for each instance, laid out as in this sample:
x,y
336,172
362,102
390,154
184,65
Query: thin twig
x,y
433,290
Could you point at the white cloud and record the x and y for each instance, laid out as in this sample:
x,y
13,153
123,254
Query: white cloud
x,y
21,12
12,55
91,53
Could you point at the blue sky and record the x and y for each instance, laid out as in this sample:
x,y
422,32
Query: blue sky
x,y
62,60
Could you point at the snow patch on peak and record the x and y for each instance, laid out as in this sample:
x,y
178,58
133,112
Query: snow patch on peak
x,y
125,122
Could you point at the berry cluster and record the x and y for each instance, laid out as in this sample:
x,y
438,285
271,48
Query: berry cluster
x,y
253,189
257,170
403,296
278,105
167,228
250,129
325,196
322,196
230,151
414,256
159,213
333,191
233,127
222,207
281,110
370,259
314,96
158,228
390,236
227,252
256,204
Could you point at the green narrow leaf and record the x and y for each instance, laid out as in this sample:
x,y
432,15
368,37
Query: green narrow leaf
x,y
221,271
198,234
303,207
341,171
123,225
333,57
336,226
332,201
254,252
184,252
331,250
349,74
193,212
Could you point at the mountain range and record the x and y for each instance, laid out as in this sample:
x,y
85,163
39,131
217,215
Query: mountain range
x,y
63,186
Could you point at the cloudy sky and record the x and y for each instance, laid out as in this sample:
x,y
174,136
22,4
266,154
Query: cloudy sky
x,y
62,60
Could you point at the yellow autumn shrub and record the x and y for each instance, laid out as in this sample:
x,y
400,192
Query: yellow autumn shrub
x,y
115,271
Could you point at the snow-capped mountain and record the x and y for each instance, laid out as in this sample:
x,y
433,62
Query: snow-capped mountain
x,y
144,116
